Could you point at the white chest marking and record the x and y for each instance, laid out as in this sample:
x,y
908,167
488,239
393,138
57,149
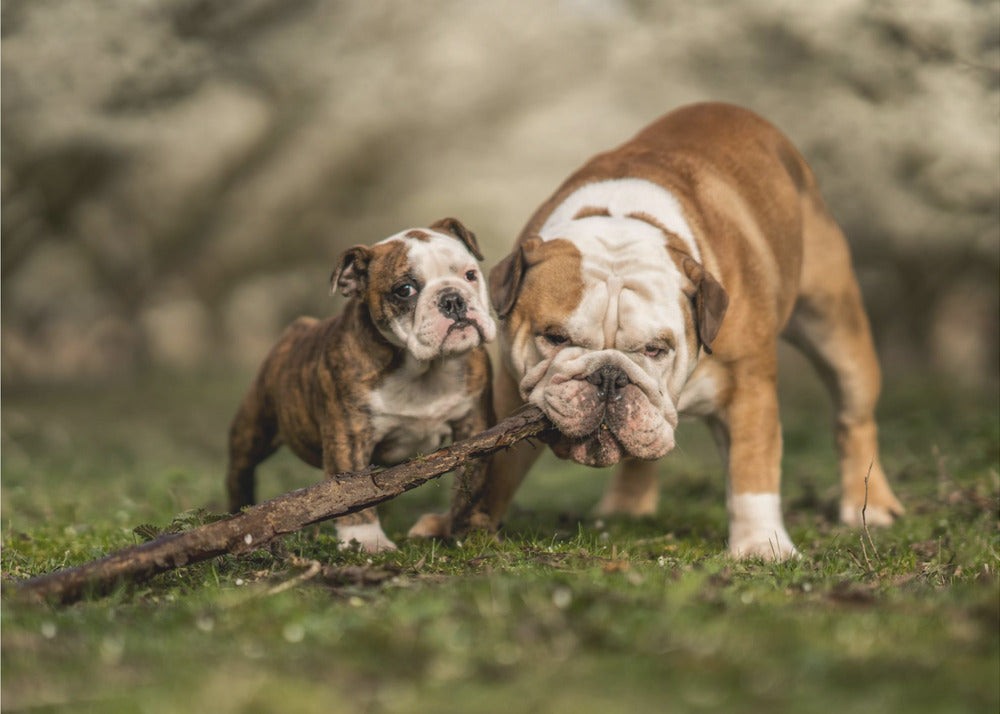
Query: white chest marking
x,y
700,394
411,412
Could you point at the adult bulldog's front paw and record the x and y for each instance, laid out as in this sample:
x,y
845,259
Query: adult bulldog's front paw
x,y
769,546
440,525
756,529
431,525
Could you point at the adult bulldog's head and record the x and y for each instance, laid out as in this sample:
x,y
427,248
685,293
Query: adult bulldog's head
x,y
603,325
423,289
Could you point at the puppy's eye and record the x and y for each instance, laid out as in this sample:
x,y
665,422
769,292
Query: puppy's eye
x,y
654,352
406,290
555,339
471,276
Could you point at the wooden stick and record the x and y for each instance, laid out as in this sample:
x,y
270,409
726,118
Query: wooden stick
x,y
259,525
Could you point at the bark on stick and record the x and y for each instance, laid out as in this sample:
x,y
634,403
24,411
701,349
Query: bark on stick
x,y
259,525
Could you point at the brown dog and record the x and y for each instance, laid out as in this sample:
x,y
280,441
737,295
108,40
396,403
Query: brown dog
x,y
400,370
655,282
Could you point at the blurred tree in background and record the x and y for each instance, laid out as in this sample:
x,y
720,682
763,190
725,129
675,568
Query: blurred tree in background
x,y
179,176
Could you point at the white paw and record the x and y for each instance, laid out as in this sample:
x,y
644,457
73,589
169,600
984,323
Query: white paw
x,y
756,529
367,537
874,515
773,545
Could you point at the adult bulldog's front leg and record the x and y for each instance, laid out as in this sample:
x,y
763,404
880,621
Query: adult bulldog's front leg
x,y
470,484
753,431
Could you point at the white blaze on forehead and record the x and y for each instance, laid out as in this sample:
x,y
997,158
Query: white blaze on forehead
x,y
435,256
631,281
439,263
622,197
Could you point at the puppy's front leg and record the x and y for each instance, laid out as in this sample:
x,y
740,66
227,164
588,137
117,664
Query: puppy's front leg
x,y
344,450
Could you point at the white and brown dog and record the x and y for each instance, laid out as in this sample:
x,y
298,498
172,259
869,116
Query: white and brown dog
x,y
655,283
395,374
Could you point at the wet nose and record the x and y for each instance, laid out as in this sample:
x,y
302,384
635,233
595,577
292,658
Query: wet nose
x,y
609,380
452,305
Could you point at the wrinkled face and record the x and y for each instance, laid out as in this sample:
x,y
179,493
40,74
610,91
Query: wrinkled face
x,y
602,335
424,291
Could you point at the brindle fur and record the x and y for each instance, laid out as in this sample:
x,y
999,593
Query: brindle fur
x,y
311,392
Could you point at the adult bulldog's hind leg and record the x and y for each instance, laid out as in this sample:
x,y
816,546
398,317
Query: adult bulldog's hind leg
x,y
830,326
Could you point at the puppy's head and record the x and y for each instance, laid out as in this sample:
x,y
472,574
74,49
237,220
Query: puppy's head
x,y
423,289
602,328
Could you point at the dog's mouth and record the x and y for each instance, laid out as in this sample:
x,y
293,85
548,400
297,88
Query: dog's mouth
x,y
464,324
461,336
600,448
597,430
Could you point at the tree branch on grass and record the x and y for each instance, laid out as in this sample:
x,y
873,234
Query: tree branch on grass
x,y
259,525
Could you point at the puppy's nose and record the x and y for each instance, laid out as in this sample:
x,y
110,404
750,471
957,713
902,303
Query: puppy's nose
x,y
609,380
452,305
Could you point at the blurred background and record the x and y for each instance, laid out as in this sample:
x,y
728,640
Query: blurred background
x,y
180,176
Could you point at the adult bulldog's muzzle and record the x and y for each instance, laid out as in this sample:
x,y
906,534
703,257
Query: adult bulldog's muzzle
x,y
604,409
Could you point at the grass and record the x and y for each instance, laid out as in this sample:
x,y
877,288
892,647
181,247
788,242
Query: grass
x,y
568,614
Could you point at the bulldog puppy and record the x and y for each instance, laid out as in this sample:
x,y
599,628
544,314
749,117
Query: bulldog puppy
x,y
401,369
655,283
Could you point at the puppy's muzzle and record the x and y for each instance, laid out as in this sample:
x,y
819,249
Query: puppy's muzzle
x,y
452,305
610,382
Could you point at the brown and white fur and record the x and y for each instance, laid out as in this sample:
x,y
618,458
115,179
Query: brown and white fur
x,y
655,283
400,370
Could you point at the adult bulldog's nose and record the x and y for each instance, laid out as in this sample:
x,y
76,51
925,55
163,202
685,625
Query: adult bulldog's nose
x,y
453,306
609,380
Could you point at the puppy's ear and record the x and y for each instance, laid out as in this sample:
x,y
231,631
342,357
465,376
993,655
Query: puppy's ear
x,y
507,275
350,277
710,302
454,227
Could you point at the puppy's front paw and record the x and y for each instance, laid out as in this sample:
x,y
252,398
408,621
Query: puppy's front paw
x,y
431,525
366,537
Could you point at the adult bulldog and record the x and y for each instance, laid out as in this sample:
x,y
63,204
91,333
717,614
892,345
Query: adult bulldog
x,y
655,282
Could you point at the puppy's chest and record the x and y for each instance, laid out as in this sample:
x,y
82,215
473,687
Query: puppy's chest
x,y
412,415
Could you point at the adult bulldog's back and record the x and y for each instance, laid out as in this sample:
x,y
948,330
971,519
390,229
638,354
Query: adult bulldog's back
x,y
745,188
739,250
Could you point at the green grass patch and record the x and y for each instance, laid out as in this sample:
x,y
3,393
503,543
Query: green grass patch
x,y
568,614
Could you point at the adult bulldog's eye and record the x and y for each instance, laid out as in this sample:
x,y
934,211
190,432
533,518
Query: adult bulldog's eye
x,y
406,290
555,339
653,352
470,275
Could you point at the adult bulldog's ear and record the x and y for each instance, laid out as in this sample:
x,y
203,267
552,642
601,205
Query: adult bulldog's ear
x,y
350,277
710,302
454,227
507,276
